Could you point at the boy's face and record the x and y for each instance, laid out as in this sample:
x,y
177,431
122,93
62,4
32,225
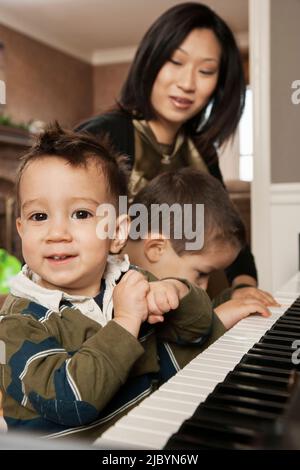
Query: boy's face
x,y
160,258
196,267
58,224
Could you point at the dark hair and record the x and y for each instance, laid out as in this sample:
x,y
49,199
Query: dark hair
x,y
78,149
157,46
189,186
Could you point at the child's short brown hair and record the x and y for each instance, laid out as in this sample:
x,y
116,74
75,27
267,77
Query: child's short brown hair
x,y
189,186
78,149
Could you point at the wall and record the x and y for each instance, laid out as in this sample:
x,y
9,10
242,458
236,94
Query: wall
x,y
285,68
44,83
107,82
285,140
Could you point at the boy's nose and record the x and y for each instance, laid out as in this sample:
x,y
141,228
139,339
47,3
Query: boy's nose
x,y
58,231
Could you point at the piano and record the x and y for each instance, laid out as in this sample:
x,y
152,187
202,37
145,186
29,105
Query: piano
x,y
228,397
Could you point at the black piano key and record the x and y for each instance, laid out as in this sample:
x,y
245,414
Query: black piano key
x,y
249,378
233,416
267,406
269,371
272,345
271,361
289,320
220,436
280,340
282,326
248,391
267,352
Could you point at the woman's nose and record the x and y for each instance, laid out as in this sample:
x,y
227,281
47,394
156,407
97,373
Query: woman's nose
x,y
186,80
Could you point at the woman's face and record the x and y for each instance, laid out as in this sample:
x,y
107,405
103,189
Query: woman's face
x,y
187,80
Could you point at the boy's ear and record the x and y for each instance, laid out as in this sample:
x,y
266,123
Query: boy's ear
x,y
121,234
19,226
154,248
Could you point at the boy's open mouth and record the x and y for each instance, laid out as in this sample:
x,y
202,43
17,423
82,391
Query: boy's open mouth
x,y
60,258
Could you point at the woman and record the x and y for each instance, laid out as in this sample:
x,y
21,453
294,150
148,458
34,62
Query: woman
x,y
183,98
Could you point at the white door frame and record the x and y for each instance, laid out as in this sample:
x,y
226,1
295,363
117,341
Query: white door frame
x,y
260,68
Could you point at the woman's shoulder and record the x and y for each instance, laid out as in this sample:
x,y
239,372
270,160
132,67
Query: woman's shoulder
x,y
108,121
117,126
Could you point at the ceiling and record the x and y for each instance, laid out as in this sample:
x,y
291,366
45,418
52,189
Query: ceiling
x,y
102,31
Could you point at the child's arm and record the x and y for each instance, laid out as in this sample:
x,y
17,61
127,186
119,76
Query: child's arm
x,y
233,311
191,321
70,388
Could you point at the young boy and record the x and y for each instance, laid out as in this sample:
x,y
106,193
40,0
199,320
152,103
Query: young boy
x,y
84,341
224,236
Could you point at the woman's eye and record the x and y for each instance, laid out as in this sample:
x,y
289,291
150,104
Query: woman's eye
x,y
175,62
81,214
207,72
38,217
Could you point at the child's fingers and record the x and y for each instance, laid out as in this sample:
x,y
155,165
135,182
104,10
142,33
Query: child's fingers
x,y
132,277
173,298
152,319
153,307
162,301
255,294
257,307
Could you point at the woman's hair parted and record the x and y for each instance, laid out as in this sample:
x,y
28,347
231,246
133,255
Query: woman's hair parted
x,y
188,186
78,150
157,46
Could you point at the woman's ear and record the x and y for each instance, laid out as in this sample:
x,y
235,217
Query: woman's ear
x,y
121,234
154,248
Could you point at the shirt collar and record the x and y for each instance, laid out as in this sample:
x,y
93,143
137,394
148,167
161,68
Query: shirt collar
x,y
25,284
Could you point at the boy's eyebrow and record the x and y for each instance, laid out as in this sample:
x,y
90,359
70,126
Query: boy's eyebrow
x,y
85,199
28,203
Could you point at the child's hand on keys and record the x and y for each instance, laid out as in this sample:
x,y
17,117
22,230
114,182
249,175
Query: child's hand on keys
x,y
233,311
255,294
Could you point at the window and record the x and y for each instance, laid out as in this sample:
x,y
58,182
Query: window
x,y
246,139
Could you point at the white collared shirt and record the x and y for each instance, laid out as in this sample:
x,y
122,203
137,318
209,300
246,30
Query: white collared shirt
x,y
25,285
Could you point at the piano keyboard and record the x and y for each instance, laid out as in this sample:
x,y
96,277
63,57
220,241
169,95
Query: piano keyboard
x,y
154,423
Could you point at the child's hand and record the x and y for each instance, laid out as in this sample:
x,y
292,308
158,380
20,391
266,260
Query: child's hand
x,y
129,300
254,294
233,311
164,296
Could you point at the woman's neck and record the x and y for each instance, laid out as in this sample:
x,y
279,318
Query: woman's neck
x,y
164,133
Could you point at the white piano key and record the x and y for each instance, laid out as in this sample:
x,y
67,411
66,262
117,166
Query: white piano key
x,y
132,439
180,387
160,403
195,381
181,396
146,424
174,417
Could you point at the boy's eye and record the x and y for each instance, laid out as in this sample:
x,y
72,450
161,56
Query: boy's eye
x,y
38,217
81,214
